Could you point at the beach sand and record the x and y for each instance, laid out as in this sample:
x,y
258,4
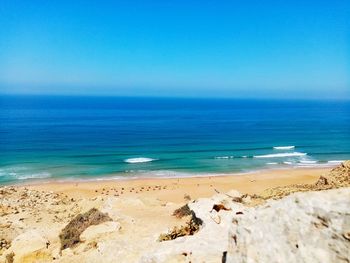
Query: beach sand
x,y
140,208
175,189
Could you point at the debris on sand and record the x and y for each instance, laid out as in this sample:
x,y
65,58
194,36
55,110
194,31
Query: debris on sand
x,y
70,235
10,258
191,227
187,197
182,211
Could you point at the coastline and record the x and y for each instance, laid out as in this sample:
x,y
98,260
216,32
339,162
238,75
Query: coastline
x,y
174,189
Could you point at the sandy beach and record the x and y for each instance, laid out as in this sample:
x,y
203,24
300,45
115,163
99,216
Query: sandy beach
x,y
174,189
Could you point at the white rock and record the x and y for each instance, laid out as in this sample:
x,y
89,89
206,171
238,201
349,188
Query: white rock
x,y
214,215
208,244
303,227
31,244
94,232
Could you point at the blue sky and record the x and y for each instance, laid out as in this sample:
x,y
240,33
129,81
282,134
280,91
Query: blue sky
x,y
293,49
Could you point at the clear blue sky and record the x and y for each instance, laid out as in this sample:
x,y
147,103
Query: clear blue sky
x,y
176,48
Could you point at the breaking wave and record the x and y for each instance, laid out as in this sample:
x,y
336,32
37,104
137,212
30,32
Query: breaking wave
x,y
139,160
224,157
279,155
336,162
284,147
33,176
307,162
22,173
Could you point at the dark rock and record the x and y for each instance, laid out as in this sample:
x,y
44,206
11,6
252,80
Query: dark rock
x,y
218,207
182,211
70,235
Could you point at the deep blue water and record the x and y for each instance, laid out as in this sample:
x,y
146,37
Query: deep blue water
x,y
93,137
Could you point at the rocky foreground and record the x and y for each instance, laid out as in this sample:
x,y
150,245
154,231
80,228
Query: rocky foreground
x,y
297,223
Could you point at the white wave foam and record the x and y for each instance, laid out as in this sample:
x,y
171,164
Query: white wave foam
x,y
279,155
22,173
224,157
33,176
165,174
289,163
139,160
316,164
284,147
272,163
336,161
156,174
12,171
307,162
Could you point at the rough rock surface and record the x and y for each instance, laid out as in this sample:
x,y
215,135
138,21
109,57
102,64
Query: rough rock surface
x,y
303,227
31,246
208,244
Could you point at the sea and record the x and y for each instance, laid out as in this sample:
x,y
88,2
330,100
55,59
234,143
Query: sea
x,y
98,138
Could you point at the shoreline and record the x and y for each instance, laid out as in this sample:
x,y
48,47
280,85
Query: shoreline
x,y
177,175
174,189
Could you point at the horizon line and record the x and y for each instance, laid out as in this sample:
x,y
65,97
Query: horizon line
x,y
262,98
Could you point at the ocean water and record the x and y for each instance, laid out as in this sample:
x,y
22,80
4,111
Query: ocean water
x,y
45,137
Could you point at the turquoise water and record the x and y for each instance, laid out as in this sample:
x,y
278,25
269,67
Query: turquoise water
x,y
100,137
